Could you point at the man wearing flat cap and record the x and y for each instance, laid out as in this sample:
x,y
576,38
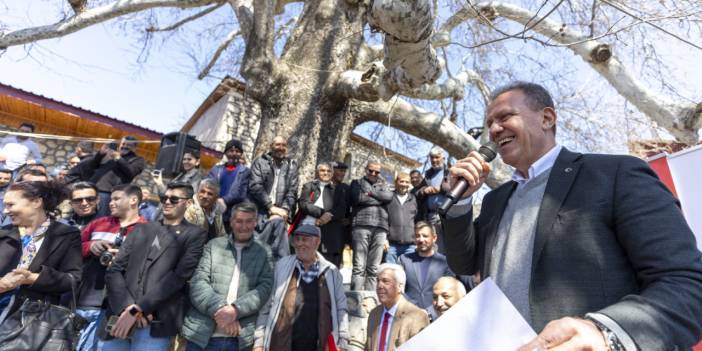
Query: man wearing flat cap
x,y
232,176
307,310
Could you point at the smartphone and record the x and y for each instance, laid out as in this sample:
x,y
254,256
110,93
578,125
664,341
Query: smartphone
x,y
113,146
156,173
111,324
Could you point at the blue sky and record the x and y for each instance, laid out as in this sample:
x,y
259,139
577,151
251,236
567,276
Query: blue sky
x,y
96,69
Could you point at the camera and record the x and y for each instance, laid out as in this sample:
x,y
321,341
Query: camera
x,y
107,256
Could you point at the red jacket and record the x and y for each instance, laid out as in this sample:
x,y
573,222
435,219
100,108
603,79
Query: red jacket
x,y
103,228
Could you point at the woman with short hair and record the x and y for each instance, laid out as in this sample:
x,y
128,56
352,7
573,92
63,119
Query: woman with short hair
x,y
39,256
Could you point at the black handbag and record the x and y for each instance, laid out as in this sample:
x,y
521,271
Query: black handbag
x,y
40,325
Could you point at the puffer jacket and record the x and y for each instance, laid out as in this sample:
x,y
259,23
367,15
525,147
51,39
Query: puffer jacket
x,y
262,176
210,284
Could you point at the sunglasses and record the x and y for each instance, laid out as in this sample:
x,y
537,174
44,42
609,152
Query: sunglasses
x,y
79,200
172,199
372,171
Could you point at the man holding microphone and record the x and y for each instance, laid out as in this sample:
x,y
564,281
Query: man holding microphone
x,y
591,249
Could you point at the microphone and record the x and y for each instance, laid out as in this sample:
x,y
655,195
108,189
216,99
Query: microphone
x,y
487,152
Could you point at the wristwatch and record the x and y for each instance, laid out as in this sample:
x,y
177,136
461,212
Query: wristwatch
x,y
133,311
613,343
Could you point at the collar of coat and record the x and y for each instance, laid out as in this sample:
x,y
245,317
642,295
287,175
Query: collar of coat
x,y
270,159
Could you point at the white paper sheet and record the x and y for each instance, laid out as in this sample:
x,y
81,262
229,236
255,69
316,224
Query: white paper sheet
x,y
685,167
484,320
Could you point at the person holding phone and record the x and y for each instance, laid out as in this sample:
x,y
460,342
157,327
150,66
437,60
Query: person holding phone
x,y
190,172
114,164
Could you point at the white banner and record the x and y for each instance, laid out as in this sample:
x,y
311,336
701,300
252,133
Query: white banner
x,y
686,169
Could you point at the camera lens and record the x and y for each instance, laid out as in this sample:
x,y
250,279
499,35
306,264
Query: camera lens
x,y
105,258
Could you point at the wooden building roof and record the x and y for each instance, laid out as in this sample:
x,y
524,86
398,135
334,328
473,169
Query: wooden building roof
x,y
51,116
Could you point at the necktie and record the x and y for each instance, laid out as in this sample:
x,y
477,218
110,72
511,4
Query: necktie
x,y
384,331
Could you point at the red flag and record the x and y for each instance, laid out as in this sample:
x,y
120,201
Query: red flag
x,y
331,345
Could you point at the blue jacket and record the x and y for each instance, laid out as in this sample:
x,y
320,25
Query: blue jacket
x,y
238,192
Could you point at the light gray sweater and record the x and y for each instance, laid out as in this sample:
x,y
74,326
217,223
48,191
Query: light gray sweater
x,y
512,255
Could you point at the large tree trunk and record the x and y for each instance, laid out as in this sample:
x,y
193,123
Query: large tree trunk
x,y
300,102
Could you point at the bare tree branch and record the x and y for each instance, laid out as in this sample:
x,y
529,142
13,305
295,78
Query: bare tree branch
x,y
244,13
367,86
628,13
78,6
676,117
429,126
90,17
186,19
280,5
451,88
228,40
260,63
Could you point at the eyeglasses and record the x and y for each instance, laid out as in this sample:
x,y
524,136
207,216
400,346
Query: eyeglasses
x,y
173,199
79,200
372,171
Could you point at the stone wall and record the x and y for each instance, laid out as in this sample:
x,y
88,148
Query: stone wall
x,y
232,116
361,150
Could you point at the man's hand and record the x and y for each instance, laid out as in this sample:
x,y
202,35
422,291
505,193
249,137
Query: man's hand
x,y
233,328
158,178
225,315
386,246
124,323
473,169
226,318
280,212
325,218
97,247
568,334
430,190
258,348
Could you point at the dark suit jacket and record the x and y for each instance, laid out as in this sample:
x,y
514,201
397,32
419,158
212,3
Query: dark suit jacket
x,y
163,279
609,239
409,321
58,257
336,200
420,292
10,249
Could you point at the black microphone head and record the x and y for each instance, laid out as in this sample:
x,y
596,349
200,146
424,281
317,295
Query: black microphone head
x,y
488,151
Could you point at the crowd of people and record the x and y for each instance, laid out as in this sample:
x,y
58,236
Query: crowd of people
x,y
246,258
239,258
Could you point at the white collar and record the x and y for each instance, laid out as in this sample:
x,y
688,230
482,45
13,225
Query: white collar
x,y
541,165
392,309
